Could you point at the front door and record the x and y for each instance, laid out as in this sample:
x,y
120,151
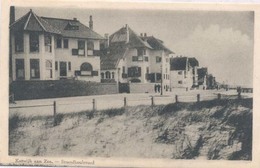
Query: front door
x,y
63,69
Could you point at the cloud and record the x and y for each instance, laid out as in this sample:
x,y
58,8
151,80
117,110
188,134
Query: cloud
x,y
226,52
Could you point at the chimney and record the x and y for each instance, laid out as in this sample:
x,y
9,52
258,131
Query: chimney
x,y
127,33
90,22
107,40
145,35
75,19
141,34
12,15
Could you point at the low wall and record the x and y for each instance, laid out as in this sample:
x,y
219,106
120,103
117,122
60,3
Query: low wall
x,y
142,87
25,90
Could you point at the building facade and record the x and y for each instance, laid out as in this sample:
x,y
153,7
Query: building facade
x,y
131,58
183,72
52,48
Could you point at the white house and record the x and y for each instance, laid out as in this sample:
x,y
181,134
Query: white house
x,y
141,60
45,48
183,73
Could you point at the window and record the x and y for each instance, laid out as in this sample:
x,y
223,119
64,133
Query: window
x,y
56,65
19,69
146,59
19,42
34,42
108,75
134,72
86,69
179,82
81,47
47,43
141,51
58,43
90,47
66,43
74,51
35,68
113,75
48,65
102,75
123,69
180,73
158,59
134,58
147,70
69,64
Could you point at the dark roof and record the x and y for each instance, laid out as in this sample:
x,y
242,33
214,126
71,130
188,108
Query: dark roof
x,y
178,63
193,62
156,44
119,42
111,59
32,22
82,31
120,37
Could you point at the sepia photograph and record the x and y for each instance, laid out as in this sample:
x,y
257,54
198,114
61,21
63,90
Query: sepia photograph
x,y
139,83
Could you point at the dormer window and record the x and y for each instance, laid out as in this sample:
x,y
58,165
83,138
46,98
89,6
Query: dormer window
x,y
72,26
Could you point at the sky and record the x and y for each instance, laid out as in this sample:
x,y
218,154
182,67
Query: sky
x,y
223,41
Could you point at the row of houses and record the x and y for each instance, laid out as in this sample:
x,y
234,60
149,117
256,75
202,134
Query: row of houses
x,y
44,48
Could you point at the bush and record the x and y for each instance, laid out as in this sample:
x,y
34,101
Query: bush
x,y
14,121
113,112
58,119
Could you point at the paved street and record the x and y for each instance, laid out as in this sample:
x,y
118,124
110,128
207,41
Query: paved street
x,y
77,104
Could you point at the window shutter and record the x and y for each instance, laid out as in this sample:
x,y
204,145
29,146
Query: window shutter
x,y
139,71
94,73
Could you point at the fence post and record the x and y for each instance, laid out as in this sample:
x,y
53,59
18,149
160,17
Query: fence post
x,y
239,95
54,113
176,99
219,96
125,103
94,105
198,97
152,101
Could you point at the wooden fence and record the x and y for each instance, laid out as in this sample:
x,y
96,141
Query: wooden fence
x,y
96,104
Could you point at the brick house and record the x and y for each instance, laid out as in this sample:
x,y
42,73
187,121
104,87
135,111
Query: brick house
x,y
141,60
44,48
183,72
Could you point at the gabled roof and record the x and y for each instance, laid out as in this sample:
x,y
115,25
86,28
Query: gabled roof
x,y
156,44
111,59
180,63
134,40
32,22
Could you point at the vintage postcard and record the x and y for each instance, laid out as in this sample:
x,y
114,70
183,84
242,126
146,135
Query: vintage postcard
x,y
129,84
